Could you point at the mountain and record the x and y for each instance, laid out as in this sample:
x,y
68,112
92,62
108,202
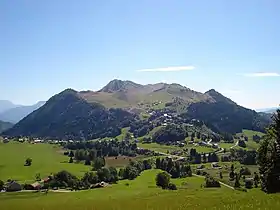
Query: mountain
x,y
268,110
4,126
68,116
119,85
14,115
6,105
95,114
127,94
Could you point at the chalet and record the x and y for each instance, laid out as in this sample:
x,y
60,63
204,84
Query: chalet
x,y
13,186
36,186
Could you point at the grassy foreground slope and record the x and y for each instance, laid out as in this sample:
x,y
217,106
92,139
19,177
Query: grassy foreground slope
x,y
46,159
142,194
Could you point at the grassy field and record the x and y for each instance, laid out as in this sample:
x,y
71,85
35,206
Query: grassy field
x,y
165,148
120,161
142,194
158,147
46,159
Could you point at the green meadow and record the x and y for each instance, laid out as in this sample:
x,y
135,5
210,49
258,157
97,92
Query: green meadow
x,y
143,194
46,159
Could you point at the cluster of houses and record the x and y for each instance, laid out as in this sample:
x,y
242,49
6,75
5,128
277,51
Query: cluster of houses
x,y
14,186
205,144
36,140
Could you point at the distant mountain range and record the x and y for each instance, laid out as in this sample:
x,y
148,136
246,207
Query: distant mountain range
x,y
12,113
97,114
5,125
6,105
268,110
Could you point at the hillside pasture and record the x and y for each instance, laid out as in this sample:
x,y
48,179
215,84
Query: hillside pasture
x,y
46,159
142,194
119,161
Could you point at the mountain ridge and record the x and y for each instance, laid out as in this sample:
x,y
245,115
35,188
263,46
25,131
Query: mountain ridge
x,y
77,114
15,114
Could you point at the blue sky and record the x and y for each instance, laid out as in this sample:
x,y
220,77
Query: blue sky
x,y
231,46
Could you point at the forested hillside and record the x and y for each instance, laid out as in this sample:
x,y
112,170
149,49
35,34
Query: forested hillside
x,y
67,116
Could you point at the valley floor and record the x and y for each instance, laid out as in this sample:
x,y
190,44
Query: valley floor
x,y
143,194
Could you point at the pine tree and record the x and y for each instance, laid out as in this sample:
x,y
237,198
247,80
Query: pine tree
x,y
237,183
269,157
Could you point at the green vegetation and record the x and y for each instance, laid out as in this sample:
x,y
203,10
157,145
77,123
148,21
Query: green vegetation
x,y
67,116
158,147
269,157
46,159
143,194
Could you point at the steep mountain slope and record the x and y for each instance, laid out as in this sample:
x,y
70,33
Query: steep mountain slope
x,y
14,115
4,126
224,115
67,116
6,105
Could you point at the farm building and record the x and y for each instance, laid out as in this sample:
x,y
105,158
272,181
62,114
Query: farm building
x,y
13,186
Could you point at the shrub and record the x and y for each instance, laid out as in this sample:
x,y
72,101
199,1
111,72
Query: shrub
x,y
28,162
249,184
211,182
245,171
172,186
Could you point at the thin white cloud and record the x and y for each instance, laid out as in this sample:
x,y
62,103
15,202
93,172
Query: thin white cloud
x,y
168,69
263,74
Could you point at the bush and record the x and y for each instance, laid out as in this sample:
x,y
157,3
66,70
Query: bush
x,y
172,186
163,180
28,162
211,182
242,143
249,184
245,171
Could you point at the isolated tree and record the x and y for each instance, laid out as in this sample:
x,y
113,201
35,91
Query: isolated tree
x,y
269,157
237,181
28,162
71,160
71,154
256,179
221,175
38,177
163,180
